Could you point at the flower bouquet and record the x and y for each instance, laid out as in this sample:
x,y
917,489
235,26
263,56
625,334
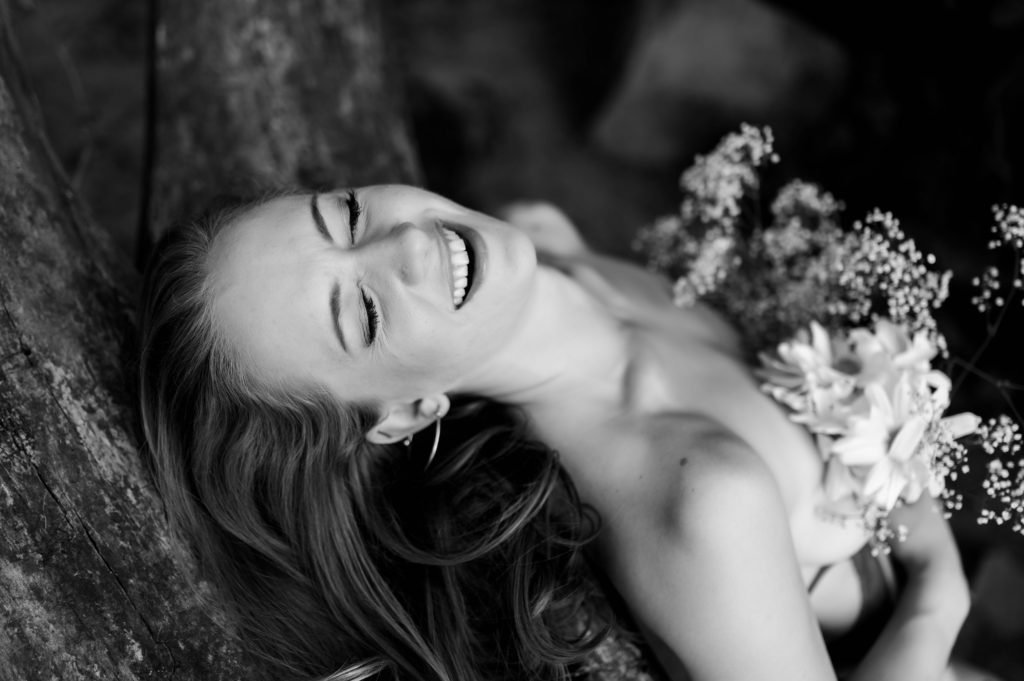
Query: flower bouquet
x,y
841,324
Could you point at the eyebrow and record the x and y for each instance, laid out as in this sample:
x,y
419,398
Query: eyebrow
x,y
336,314
343,206
318,218
321,227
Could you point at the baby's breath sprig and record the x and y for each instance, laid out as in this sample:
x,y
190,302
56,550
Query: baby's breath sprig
x,y
698,246
884,274
716,186
885,535
988,295
1000,439
995,293
992,291
802,267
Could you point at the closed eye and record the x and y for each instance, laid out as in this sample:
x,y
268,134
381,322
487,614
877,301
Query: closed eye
x,y
372,318
355,209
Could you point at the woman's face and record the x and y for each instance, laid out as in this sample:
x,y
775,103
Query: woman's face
x,y
369,291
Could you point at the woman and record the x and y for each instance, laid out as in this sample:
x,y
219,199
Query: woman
x,y
291,349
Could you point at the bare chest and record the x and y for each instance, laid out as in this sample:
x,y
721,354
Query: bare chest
x,y
705,380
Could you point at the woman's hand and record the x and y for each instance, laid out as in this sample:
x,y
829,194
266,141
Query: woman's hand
x,y
929,555
917,641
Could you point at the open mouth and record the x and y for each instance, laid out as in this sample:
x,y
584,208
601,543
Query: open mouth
x,y
461,256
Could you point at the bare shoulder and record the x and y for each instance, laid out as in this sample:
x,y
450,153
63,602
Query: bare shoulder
x,y
705,559
549,228
720,477
693,477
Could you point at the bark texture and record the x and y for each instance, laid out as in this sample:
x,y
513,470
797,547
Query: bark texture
x,y
262,94
91,584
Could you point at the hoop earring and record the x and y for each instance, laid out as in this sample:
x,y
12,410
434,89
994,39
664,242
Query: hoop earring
x,y
407,442
437,437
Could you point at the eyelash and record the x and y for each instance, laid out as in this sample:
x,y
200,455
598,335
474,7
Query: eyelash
x,y
372,319
355,209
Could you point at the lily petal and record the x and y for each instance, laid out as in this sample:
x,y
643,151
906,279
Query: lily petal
x,y
820,343
862,449
880,402
962,424
908,438
839,483
886,485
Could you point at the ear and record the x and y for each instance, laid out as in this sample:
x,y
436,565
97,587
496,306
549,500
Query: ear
x,y
404,419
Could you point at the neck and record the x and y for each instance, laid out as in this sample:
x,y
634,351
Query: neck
x,y
568,345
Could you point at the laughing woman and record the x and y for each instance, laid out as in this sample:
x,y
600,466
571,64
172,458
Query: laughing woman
x,y
385,422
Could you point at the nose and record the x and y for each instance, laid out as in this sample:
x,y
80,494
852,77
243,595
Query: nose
x,y
407,250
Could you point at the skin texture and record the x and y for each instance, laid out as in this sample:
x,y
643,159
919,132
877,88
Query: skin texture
x,y
712,556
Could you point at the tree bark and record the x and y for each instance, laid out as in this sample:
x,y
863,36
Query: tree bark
x,y
92,585
264,94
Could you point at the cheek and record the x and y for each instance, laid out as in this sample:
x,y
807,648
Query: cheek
x,y
422,343
445,351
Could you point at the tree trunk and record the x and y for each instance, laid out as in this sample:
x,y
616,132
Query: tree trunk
x,y
263,94
92,586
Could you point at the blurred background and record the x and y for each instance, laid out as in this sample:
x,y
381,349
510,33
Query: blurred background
x,y
598,105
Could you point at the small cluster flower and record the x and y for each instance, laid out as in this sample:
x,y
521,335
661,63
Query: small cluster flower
x,y
716,186
801,267
1008,231
701,240
848,318
1004,484
1008,227
988,285
883,268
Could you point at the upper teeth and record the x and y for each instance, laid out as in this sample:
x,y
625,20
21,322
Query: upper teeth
x,y
460,264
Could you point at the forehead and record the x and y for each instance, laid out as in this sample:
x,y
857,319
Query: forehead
x,y
266,270
264,227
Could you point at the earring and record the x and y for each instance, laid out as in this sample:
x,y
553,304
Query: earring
x,y
437,437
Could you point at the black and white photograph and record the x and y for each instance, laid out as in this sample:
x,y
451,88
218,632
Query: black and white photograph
x,y
511,340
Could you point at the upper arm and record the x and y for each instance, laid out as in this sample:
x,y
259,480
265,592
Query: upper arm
x,y
712,572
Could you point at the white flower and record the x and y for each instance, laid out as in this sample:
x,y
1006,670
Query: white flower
x,y
811,373
889,349
875,406
889,427
892,443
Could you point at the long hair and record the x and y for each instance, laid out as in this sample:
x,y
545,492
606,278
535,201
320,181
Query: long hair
x,y
343,559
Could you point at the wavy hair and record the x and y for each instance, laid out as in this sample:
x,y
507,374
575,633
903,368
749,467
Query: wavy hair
x,y
342,559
